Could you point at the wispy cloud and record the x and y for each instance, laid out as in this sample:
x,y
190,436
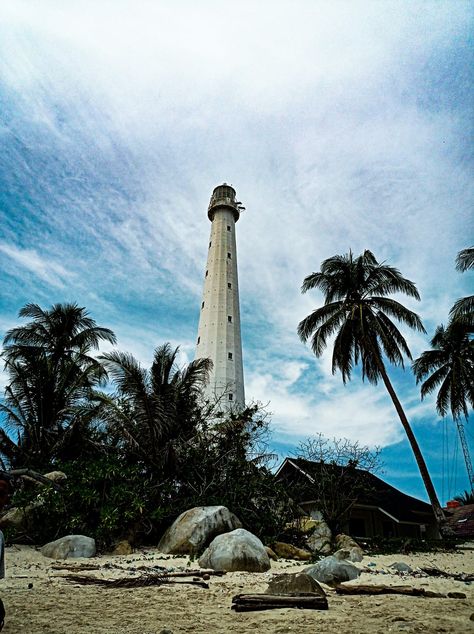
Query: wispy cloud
x,y
44,268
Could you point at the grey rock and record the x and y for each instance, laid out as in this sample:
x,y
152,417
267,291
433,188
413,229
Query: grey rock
x,y
195,528
351,554
237,550
288,583
69,546
401,566
332,572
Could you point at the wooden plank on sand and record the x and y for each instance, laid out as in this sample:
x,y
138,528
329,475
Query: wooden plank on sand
x,y
306,600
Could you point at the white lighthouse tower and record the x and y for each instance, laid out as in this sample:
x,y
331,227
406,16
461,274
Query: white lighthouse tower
x,y
219,336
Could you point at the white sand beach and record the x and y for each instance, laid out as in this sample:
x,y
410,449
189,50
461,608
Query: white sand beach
x,y
53,605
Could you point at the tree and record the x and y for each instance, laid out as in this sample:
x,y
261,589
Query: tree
x,y
463,309
51,375
358,311
343,469
465,498
449,367
154,410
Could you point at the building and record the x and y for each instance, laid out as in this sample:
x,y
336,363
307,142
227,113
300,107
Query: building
x,y
380,511
219,336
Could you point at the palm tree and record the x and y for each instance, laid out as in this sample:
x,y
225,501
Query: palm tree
x,y
359,312
465,259
465,498
51,374
154,410
463,309
449,366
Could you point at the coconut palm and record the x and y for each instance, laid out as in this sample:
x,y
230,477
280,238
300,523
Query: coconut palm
x,y
154,409
463,309
51,374
465,498
449,367
358,311
465,259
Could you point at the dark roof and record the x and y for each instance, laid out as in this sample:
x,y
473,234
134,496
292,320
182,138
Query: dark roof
x,y
403,507
461,520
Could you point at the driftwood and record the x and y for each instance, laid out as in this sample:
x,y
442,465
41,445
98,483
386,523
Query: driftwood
x,y
81,567
305,600
457,576
132,582
76,567
408,590
28,473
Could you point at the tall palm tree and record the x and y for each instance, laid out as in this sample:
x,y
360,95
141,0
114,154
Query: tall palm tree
x,y
463,309
155,409
358,311
449,366
51,373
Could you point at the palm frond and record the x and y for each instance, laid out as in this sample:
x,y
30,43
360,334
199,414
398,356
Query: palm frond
x,y
465,259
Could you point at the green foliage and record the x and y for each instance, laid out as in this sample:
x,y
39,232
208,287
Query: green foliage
x,y
226,463
359,312
51,377
102,498
449,368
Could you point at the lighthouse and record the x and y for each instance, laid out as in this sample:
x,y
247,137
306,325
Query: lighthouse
x,y
219,337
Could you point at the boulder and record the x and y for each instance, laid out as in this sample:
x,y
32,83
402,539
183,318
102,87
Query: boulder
x,y
17,518
346,542
237,550
56,476
320,540
332,572
352,554
287,551
69,546
289,583
122,548
401,566
271,553
195,528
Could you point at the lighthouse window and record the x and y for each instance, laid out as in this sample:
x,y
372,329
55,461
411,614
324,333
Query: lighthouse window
x,y
202,305
207,273
210,244
231,397
229,318
229,355
228,227
229,256
199,340
229,285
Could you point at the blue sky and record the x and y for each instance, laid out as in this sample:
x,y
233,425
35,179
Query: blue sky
x,y
342,125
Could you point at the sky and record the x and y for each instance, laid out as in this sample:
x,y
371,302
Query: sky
x,y
341,125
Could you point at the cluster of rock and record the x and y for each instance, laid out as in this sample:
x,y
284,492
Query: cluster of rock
x,y
229,546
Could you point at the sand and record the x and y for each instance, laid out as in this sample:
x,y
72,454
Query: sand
x,y
54,606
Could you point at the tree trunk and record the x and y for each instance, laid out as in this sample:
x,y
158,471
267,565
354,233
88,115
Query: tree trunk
x,y
436,506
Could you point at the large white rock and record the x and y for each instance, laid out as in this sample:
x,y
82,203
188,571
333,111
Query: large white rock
x,y
195,528
237,550
70,546
332,571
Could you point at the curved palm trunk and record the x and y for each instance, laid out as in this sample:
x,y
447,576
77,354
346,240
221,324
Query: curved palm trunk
x,y
437,510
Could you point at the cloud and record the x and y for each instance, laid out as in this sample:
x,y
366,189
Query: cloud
x,y
44,268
